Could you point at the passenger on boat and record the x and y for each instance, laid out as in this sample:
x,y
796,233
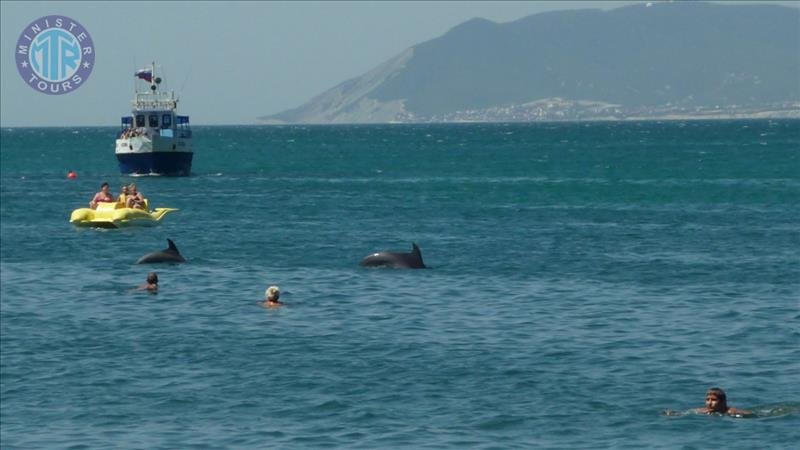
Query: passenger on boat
x,y
135,199
101,197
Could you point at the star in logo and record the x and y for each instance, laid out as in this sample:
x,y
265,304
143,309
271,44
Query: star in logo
x,y
86,64
24,64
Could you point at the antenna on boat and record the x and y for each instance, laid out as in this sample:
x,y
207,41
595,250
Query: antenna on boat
x,y
153,77
134,76
183,86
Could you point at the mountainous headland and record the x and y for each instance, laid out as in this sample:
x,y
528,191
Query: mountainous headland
x,y
658,60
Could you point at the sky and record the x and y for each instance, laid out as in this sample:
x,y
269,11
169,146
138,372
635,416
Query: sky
x,y
231,62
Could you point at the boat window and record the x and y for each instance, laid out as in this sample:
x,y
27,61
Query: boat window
x,y
153,118
166,121
140,120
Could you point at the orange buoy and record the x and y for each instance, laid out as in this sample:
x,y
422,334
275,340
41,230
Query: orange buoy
x,y
72,175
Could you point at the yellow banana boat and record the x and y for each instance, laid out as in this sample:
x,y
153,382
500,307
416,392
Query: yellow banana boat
x,y
115,215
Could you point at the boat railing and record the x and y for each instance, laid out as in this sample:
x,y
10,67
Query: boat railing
x,y
148,105
164,132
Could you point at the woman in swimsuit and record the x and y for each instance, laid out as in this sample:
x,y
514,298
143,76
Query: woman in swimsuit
x,y
101,197
135,198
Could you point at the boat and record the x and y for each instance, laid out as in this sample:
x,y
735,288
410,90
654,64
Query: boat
x,y
116,215
154,139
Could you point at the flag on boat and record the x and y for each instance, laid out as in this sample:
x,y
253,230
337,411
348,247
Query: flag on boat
x,y
144,74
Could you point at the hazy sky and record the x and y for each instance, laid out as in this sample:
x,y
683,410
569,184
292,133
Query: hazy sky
x,y
231,62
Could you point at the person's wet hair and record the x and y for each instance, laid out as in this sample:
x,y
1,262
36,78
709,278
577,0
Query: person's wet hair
x,y
720,394
273,293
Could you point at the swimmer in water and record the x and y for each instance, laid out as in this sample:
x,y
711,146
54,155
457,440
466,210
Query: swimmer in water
x,y
151,285
717,403
271,297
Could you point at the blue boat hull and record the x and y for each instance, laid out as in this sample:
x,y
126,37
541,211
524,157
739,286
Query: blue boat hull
x,y
176,164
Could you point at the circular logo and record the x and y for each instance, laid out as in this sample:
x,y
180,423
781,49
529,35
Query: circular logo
x,y
54,55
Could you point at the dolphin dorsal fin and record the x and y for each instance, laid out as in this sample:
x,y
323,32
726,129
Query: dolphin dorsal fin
x,y
415,251
172,245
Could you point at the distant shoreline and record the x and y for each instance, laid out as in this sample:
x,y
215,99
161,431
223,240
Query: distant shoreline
x,y
563,110
672,117
667,118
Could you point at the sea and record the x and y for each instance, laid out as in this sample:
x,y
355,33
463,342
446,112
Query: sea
x,y
583,278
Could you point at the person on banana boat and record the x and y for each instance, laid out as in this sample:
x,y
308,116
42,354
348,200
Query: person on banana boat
x,y
122,199
135,199
104,196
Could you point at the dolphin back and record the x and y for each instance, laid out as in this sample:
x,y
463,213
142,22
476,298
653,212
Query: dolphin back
x,y
169,254
395,260
382,259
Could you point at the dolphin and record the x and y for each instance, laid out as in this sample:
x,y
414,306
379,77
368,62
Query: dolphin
x,y
394,260
170,254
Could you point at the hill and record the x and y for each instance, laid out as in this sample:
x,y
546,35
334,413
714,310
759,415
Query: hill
x,y
664,60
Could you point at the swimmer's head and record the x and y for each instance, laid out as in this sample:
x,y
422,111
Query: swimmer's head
x,y
272,293
716,400
152,278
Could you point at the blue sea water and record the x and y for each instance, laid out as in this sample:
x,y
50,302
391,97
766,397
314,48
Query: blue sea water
x,y
584,278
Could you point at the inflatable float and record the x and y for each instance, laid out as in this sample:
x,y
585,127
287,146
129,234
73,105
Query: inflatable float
x,y
115,215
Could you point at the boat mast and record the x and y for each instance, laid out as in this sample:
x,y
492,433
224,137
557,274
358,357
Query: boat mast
x,y
153,77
